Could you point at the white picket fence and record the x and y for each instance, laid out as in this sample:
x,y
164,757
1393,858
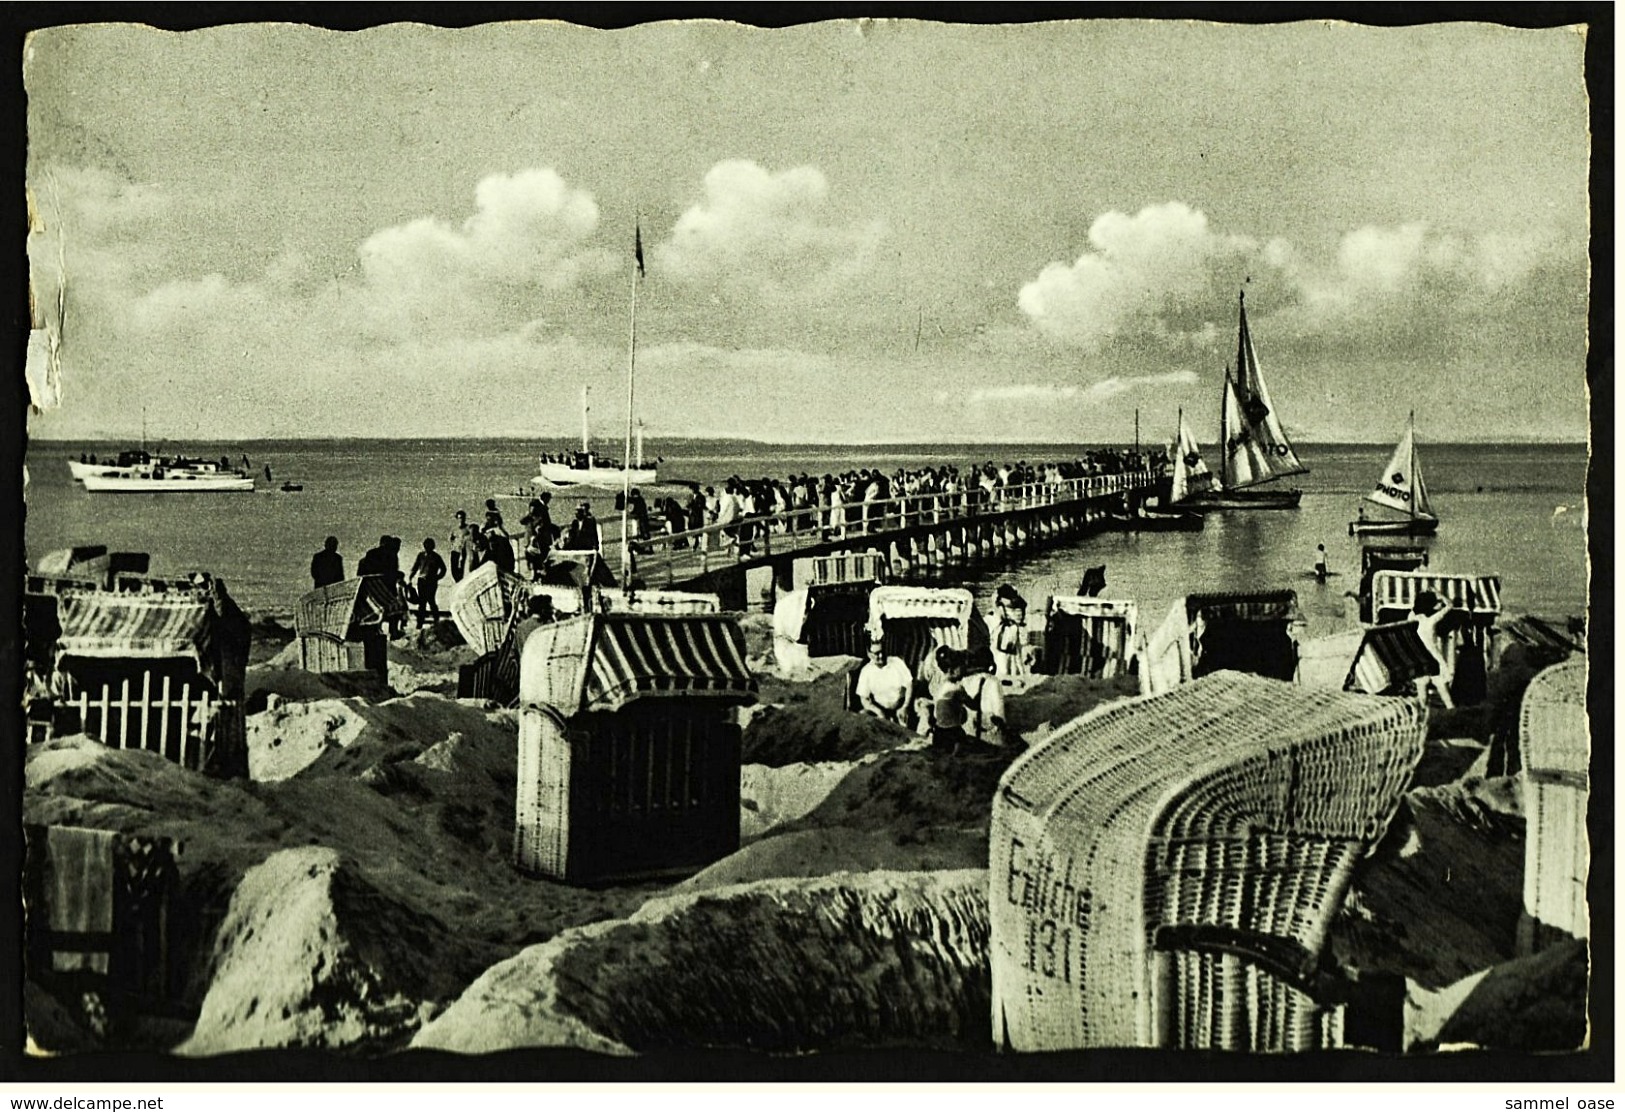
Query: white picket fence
x,y
141,718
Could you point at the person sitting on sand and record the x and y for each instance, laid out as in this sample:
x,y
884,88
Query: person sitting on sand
x,y
327,566
427,572
884,685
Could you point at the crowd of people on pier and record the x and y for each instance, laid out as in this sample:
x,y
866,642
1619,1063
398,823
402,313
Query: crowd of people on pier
x,y
863,500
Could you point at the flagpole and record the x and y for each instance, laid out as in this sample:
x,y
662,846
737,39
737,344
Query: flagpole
x,y
626,457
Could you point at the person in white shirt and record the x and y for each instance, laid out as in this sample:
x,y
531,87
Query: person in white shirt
x,y
884,685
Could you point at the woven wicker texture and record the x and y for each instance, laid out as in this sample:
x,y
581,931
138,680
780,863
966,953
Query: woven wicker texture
x,y
482,603
602,661
1554,742
1393,593
1231,802
338,610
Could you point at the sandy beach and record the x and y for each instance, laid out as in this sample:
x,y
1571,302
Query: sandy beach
x,y
356,894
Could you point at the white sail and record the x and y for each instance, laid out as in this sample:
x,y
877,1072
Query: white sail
x,y
1191,474
1246,462
1269,453
1400,487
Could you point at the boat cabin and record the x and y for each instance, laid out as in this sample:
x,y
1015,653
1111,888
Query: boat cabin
x,y
1165,871
629,745
1088,636
1240,631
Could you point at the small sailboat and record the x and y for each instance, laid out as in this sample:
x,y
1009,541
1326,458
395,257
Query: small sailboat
x,y
1400,488
1190,477
1253,445
587,467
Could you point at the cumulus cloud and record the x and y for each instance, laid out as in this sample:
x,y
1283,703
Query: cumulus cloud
x,y
1406,277
1139,271
772,234
527,239
1164,280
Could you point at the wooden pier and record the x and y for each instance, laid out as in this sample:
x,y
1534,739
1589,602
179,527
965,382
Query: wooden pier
x,y
924,536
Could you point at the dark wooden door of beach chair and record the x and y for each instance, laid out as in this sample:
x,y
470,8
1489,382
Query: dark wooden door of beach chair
x,y
1264,648
836,622
655,789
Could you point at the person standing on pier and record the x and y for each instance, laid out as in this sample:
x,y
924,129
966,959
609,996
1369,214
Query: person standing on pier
x,y
583,533
493,518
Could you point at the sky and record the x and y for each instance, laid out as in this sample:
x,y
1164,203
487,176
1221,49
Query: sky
x,y
853,231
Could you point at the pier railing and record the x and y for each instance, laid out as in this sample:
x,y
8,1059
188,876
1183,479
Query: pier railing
x,y
667,558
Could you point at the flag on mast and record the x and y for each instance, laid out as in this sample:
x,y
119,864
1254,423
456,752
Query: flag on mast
x,y
637,246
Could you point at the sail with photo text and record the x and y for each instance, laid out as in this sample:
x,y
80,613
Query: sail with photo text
x,y
1400,488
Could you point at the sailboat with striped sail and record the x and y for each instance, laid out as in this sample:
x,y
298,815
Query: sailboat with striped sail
x,y
1253,445
1401,489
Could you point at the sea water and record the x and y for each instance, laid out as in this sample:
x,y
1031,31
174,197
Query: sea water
x,y
1517,511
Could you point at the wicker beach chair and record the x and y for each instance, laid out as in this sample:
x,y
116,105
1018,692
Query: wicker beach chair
x,y
1164,871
